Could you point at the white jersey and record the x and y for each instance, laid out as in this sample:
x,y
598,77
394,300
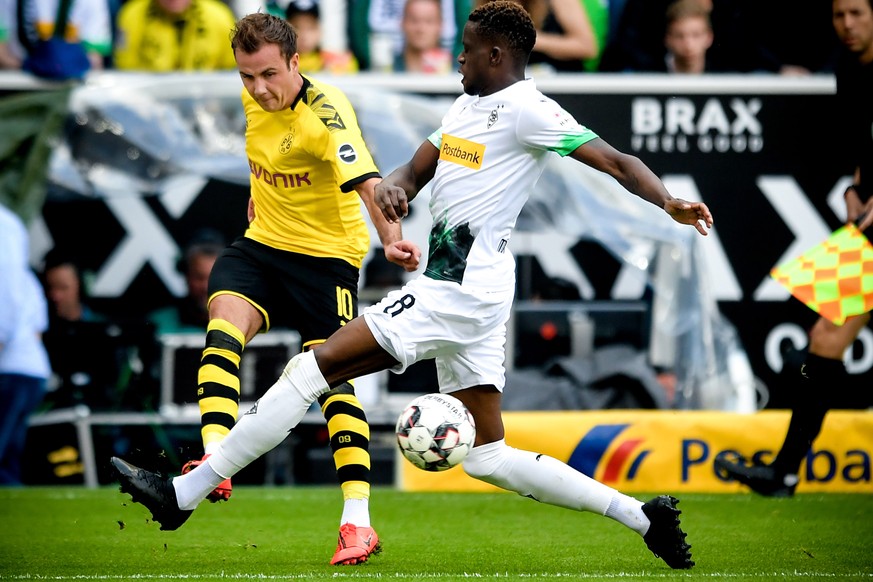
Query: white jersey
x,y
493,149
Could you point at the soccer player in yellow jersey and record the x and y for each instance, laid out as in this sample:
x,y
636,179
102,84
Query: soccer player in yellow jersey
x,y
298,263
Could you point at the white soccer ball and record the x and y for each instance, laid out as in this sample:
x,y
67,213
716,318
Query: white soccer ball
x,y
435,432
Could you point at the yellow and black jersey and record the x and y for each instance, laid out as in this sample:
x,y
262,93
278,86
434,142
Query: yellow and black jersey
x,y
304,163
149,39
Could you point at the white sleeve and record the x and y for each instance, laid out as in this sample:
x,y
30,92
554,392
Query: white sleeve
x,y
546,125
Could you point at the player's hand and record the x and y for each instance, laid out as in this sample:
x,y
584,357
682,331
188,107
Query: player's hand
x,y
250,212
694,213
392,201
404,253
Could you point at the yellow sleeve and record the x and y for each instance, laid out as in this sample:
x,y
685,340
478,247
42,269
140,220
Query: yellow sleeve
x,y
227,60
130,22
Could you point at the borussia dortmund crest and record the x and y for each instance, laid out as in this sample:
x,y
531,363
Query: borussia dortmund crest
x,y
287,142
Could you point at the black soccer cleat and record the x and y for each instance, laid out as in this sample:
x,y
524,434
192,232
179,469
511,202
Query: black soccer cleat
x,y
665,537
762,479
152,490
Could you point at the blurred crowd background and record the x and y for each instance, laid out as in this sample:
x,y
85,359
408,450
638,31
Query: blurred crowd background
x,y
424,36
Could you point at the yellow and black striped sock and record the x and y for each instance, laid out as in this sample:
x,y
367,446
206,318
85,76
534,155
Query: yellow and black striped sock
x,y
349,440
218,381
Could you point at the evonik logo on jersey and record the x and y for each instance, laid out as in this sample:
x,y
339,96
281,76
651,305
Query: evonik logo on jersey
x,y
278,179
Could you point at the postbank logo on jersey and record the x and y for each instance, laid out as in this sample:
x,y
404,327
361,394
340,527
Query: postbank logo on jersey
x,y
461,151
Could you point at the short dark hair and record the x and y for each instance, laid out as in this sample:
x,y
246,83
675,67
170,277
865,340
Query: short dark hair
x,y
506,22
253,31
205,242
58,257
296,7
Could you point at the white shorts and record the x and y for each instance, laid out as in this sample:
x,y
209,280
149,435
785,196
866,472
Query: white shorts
x,y
464,331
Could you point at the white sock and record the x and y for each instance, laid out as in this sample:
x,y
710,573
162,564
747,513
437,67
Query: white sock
x,y
356,511
193,487
272,417
538,476
628,511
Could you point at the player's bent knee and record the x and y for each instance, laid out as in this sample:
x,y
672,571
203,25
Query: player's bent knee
x,y
487,462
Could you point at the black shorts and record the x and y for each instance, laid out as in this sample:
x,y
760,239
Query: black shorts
x,y
314,295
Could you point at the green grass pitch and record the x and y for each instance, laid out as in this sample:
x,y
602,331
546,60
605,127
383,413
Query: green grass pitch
x,y
272,533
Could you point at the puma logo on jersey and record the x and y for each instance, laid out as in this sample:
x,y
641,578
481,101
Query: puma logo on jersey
x,y
461,151
327,113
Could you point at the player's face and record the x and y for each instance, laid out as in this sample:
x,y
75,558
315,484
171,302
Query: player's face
x,y
475,61
853,23
269,79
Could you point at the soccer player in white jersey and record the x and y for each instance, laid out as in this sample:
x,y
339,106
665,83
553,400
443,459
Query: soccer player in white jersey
x,y
482,163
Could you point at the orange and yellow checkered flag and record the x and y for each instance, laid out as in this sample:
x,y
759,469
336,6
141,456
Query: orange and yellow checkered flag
x,y
834,278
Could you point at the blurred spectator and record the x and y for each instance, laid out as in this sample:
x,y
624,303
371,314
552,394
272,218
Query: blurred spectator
x,y
376,37
174,35
565,37
189,313
598,12
422,53
9,58
95,360
24,363
688,37
744,39
64,288
304,17
84,42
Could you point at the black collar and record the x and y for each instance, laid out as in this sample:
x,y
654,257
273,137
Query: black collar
x,y
301,93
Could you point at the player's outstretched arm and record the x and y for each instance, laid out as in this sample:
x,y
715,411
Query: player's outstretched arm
x,y
637,178
694,213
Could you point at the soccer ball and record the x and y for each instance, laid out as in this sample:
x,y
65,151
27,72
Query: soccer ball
x,y
435,432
